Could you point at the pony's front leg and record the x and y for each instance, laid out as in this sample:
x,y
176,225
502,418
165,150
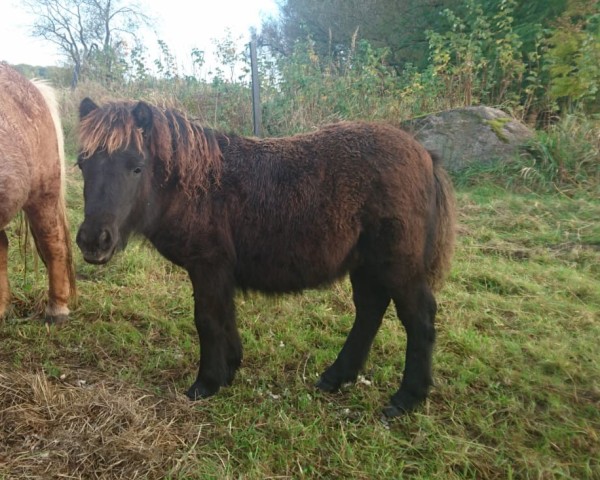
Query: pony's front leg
x,y
220,345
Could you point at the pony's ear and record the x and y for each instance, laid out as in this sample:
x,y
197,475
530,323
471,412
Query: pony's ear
x,y
142,114
86,106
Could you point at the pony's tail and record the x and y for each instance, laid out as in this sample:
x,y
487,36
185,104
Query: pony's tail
x,y
50,100
445,226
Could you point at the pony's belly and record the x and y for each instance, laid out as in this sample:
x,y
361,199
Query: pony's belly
x,y
289,273
283,282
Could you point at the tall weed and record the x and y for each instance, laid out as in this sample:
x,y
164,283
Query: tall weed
x,y
566,156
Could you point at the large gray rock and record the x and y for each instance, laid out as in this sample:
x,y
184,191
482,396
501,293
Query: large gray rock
x,y
469,135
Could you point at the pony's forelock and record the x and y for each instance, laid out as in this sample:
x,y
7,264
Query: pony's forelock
x,y
110,128
182,147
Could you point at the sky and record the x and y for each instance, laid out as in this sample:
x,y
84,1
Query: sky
x,y
182,24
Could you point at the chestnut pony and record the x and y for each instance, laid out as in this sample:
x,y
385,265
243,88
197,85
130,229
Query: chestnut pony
x,y
275,215
32,179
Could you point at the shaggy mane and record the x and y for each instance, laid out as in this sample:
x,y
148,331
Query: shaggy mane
x,y
188,153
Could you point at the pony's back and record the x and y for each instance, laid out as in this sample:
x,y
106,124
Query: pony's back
x,y
30,129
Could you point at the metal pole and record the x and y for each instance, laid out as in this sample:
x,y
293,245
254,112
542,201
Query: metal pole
x,y
256,111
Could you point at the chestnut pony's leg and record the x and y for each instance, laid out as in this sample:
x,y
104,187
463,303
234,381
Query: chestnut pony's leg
x,y
4,286
47,226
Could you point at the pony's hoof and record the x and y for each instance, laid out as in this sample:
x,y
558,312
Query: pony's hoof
x,y
60,319
327,386
392,411
199,390
402,404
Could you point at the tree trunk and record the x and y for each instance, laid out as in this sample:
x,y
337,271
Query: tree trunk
x,y
76,72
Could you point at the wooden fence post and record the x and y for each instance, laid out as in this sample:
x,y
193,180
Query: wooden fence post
x,y
256,111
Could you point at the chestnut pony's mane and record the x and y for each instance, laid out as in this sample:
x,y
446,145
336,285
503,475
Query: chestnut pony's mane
x,y
188,153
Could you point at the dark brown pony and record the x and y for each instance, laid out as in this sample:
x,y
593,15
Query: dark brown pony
x,y
32,179
275,215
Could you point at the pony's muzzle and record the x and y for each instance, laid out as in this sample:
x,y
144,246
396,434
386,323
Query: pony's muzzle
x,y
97,244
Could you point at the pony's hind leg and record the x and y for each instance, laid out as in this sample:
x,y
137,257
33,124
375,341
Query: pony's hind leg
x,y
4,286
50,238
13,194
416,308
371,301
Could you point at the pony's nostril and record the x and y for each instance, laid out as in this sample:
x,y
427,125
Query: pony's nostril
x,y
104,240
82,237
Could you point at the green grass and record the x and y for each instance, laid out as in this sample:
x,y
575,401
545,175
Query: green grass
x,y
517,367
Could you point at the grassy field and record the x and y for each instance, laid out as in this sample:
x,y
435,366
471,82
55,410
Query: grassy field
x,y
517,367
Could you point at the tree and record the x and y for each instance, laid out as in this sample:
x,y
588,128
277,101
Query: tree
x,y
92,34
333,26
573,56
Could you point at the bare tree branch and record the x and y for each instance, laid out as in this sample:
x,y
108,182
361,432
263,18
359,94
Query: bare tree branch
x,y
89,33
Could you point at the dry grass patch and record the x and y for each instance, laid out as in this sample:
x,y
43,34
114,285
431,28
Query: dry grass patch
x,y
82,426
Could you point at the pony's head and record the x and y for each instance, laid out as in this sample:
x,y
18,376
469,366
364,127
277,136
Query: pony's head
x,y
132,154
115,161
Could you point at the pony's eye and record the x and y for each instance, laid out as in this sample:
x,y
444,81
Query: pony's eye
x,y
137,170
